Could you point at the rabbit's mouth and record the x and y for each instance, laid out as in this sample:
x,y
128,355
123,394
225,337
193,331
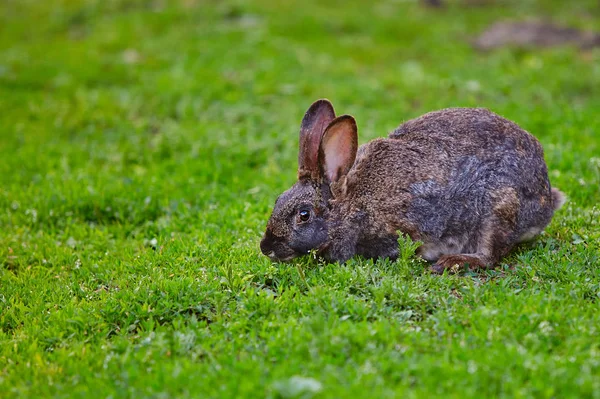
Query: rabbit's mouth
x,y
275,258
281,258
276,249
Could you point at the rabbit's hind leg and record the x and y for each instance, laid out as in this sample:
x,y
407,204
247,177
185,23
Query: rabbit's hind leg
x,y
457,262
493,242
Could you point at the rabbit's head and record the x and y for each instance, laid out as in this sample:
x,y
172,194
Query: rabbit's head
x,y
300,220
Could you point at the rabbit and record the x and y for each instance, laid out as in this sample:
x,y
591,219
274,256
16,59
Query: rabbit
x,y
465,182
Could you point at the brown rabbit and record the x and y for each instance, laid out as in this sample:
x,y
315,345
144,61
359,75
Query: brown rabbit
x,y
465,182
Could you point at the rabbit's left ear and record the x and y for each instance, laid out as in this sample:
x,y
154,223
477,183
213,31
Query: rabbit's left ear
x,y
338,148
317,118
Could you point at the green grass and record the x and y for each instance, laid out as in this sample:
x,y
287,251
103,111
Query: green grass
x,y
142,145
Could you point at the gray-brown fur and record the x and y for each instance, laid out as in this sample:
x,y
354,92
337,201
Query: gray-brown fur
x,y
466,182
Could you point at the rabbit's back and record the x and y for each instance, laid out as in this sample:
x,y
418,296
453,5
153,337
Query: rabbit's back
x,y
468,130
476,147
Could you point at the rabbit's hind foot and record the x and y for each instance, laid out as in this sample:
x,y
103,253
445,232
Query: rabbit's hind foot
x,y
459,262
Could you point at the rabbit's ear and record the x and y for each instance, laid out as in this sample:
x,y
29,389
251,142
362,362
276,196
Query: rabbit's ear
x,y
338,148
316,119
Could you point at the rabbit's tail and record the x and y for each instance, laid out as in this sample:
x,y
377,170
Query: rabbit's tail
x,y
558,198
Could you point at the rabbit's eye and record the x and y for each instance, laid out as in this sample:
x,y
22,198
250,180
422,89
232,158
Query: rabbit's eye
x,y
303,216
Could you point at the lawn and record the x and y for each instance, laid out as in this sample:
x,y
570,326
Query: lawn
x,y
143,144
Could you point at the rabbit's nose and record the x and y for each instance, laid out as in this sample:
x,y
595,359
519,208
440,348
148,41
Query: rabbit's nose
x,y
266,246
